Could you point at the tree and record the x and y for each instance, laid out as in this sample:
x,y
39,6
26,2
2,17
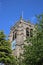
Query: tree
x,y
33,53
6,56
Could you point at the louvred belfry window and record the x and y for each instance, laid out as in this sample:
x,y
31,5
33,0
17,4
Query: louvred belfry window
x,y
14,35
31,32
27,32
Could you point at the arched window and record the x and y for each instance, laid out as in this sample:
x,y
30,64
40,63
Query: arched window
x,y
14,35
31,32
27,32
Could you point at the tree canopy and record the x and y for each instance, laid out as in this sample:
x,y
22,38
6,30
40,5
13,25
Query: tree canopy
x,y
33,53
6,56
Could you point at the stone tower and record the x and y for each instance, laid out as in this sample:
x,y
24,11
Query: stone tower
x,y
18,34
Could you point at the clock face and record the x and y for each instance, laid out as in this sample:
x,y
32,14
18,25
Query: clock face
x,y
13,44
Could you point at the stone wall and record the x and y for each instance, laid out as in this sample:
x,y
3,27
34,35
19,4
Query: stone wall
x,y
20,28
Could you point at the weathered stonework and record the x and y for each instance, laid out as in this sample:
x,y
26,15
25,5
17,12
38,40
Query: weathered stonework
x,y
20,29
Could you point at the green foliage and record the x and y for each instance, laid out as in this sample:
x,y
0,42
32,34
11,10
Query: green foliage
x,y
33,54
5,51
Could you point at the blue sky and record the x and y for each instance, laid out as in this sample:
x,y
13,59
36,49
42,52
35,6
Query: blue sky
x,y
11,10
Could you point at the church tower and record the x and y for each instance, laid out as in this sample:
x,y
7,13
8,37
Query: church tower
x,y
18,34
